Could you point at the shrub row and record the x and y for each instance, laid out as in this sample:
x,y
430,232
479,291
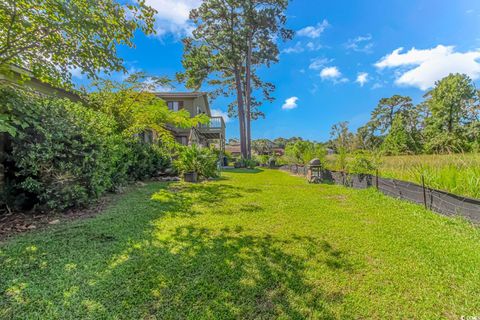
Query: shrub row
x,y
62,154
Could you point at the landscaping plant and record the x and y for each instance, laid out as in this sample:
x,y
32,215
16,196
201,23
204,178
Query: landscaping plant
x,y
195,159
62,154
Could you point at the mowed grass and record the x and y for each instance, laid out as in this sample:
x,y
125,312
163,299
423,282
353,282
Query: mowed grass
x,y
253,245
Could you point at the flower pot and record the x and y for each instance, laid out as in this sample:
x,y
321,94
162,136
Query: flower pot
x,y
190,177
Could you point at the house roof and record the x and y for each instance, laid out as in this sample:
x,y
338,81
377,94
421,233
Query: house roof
x,y
180,95
186,95
233,148
14,76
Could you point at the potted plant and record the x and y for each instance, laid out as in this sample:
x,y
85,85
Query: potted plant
x,y
190,176
195,163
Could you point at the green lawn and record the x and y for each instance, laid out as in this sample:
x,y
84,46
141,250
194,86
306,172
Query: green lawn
x,y
257,245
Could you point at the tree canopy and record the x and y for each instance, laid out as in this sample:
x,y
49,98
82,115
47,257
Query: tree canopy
x,y
51,38
232,39
136,109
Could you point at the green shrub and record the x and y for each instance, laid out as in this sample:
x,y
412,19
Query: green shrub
x,y
62,154
362,163
203,161
302,152
262,159
246,163
146,160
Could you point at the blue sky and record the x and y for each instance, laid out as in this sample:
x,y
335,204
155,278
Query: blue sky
x,y
345,57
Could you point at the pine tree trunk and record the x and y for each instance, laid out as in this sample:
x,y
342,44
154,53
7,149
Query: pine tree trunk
x,y
241,113
248,95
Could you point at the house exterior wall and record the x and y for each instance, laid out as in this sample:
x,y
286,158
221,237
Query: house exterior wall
x,y
194,106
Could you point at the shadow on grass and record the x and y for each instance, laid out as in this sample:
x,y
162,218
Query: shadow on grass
x,y
130,266
199,273
188,199
251,171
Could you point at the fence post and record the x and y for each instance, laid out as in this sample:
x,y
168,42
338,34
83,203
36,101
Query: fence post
x,y
376,179
424,192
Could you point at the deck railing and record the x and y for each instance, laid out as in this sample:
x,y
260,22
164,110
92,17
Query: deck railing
x,y
215,123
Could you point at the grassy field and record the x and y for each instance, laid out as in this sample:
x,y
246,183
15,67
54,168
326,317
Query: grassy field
x,y
459,174
456,173
253,245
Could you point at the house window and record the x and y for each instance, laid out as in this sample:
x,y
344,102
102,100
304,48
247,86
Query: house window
x,y
175,105
199,110
182,140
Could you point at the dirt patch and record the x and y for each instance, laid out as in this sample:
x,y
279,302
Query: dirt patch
x,y
12,223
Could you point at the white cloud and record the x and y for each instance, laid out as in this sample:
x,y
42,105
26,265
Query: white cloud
x,y
173,16
421,68
156,87
360,44
297,48
319,63
290,103
333,74
313,47
362,78
129,72
76,72
220,113
314,31
330,73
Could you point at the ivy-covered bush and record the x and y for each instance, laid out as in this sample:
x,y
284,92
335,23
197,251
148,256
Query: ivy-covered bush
x,y
62,154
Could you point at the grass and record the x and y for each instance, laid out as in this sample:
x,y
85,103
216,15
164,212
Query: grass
x,y
253,245
456,173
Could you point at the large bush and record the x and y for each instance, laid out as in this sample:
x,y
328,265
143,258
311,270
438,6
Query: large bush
x,y
203,161
302,152
62,154
147,160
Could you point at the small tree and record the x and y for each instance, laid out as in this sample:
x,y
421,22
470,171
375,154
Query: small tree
x,y
386,110
341,139
136,109
399,141
302,152
453,105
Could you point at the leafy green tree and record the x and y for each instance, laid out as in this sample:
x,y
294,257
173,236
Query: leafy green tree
x,y
231,40
52,37
302,152
384,114
453,122
136,109
215,52
365,138
398,140
263,20
341,139
262,146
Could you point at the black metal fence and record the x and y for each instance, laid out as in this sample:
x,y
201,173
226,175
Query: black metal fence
x,y
439,201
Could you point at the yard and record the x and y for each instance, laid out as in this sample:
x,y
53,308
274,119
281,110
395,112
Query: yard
x,y
253,245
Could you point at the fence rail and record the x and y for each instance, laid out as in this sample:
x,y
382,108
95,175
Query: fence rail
x,y
436,200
